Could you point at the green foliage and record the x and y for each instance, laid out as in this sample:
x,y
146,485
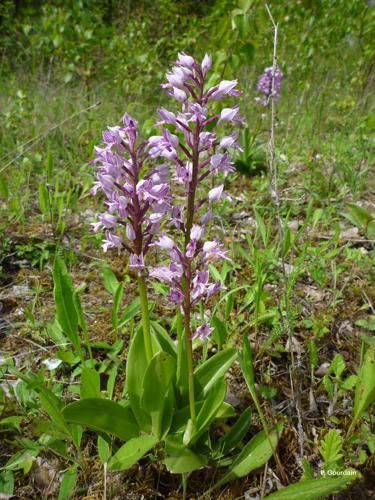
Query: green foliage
x,y
312,489
331,449
131,452
103,415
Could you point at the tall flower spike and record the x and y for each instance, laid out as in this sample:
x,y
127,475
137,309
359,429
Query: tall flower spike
x,y
197,152
135,205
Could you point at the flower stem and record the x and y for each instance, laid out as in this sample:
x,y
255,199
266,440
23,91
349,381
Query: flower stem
x,y
187,302
189,349
145,318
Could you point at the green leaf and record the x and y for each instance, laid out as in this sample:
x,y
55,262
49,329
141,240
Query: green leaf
x,y
111,381
255,454
129,312
116,305
317,215
90,383
236,433
242,23
211,370
229,306
111,283
164,340
247,50
246,361
52,405
43,199
65,304
358,215
136,367
211,405
7,482
313,489
337,366
180,459
331,447
220,333
4,190
104,449
131,452
371,230
365,388
157,382
313,354
68,484
103,415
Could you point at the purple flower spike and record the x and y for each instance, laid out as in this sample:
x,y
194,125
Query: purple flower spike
x,y
135,205
200,157
265,85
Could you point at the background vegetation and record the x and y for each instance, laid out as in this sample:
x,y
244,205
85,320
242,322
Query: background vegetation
x,y
70,68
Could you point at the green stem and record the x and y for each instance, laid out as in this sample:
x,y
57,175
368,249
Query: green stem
x,y
184,485
189,351
145,318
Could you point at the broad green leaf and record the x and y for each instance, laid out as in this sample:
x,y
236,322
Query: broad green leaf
x,y
365,388
7,482
181,417
111,283
65,306
104,449
313,489
131,452
236,433
211,370
331,447
359,215
337,366
164,340
76,432
23,460
157,382
180,459
90,383
225,411
68,484
103,415
210,407
52,405
255,454
136,367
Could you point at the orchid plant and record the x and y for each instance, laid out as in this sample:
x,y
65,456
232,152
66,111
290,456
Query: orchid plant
x,y
157,200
